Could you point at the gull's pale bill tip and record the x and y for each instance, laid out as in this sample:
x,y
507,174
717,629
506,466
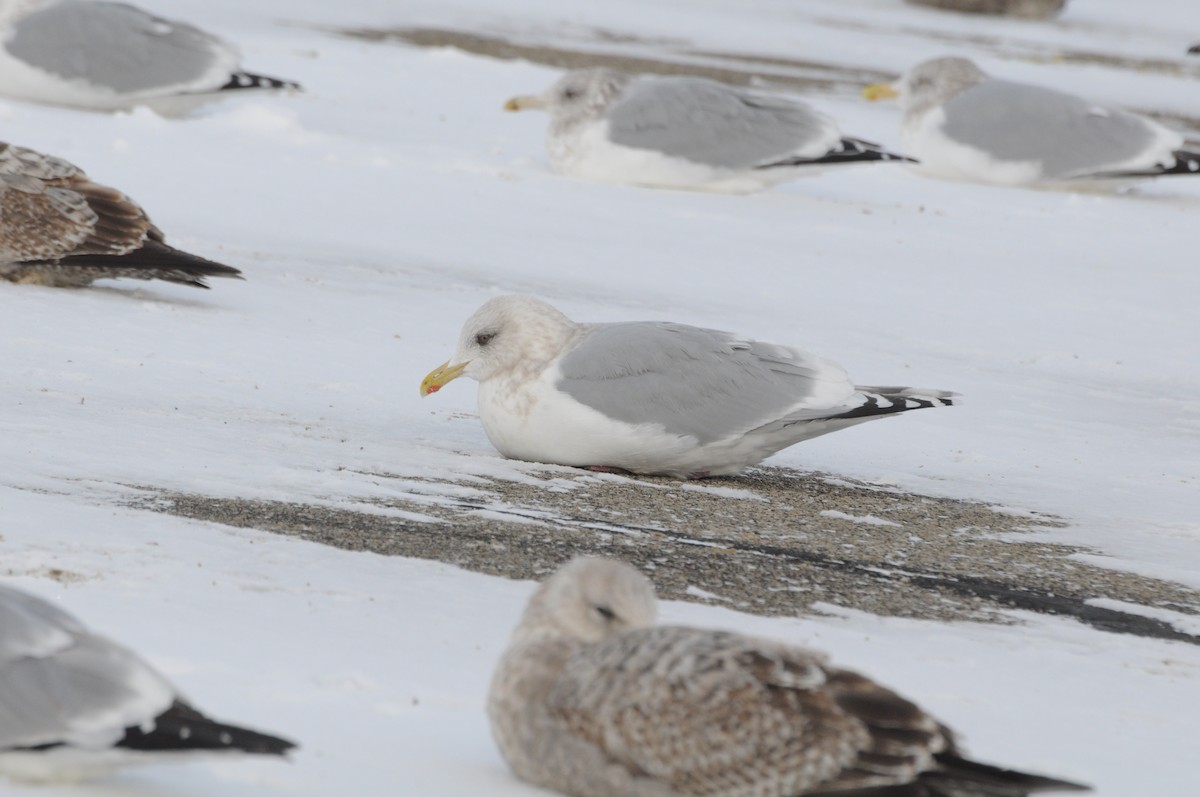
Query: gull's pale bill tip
x,y
880,91
436,379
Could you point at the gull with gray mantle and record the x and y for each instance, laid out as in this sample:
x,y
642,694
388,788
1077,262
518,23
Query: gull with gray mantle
x,y
592,699
961,123
58,228
104,56
651,397
686,132
74,705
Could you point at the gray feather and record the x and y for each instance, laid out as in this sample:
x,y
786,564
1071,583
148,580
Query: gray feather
x,y
692,381
1066,134
113,45
714,124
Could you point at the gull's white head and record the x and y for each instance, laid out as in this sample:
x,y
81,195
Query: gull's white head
x,y
928,84
505,334
582,94
589,599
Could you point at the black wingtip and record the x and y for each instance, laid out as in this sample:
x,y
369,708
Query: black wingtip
x,y
1187,162
154,260
985,780
249,80
850,150
181,727
889,400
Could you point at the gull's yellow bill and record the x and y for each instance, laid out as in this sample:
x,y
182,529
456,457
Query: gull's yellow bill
x,y
524,102
880,91
439,377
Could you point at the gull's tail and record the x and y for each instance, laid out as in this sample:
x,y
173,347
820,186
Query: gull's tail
x,y
153,260
959,777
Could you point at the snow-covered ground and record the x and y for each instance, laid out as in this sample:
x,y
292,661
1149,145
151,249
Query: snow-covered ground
x,y
373,213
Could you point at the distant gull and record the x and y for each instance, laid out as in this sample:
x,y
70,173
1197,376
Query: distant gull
x,y
685,132
651,397
591,699
962,124
74,705
1022,9
105,56
58,228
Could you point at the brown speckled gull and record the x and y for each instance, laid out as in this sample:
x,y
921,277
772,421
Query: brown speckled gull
x,y
592,700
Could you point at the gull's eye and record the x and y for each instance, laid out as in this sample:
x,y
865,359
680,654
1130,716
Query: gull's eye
x,y
484,338
570,94
607,613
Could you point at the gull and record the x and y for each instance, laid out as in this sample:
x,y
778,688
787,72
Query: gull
x,y
103,56
74,705
960,123
685,132
592,699
1022,9
651,397
59,228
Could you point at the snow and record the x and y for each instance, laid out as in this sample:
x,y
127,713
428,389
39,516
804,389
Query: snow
x,y
373,213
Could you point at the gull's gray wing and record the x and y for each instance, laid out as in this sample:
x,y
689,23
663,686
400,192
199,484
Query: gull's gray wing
x,y
60,683
1069,136
118,47
699,382
717,125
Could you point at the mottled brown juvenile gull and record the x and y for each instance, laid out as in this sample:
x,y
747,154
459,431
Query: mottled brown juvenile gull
x,y
1022,9
960,123
592,700
111,56
59,228
685,132
651,397
74,705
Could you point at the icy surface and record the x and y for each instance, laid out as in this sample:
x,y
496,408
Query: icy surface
x,y
372,214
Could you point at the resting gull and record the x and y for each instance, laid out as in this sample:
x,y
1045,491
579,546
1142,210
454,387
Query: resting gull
x,y
685,132
59,228
1021,9
105,56
74,705
651,397
962,124
591,699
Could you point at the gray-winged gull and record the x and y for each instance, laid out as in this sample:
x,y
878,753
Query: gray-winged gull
x,y
1022,9
685,132
961,123
59,228
75,705
591,699
111,56
651,397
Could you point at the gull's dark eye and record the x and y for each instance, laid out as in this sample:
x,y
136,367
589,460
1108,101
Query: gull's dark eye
x,y
483,338
570,94
606,613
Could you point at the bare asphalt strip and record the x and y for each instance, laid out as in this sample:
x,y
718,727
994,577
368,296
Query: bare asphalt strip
x,y
773,541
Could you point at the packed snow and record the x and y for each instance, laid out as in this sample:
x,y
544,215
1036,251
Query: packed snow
x,y
374,212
